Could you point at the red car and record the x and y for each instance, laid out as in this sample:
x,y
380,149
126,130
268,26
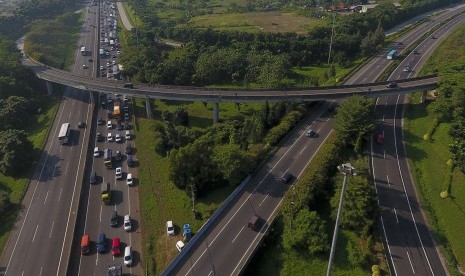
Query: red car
x,y
380,139
115,247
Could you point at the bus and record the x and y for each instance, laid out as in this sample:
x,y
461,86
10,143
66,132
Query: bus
x,y
63,136
392,54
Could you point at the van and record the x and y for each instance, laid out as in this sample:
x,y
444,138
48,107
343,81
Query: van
x,y
101,243
128,135
85,244
254,222
128,256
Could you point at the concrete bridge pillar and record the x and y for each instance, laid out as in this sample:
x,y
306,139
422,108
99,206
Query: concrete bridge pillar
x,y
49,87
216,112
423,96
147,107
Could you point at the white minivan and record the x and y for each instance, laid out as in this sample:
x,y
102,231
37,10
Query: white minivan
x,y
128,256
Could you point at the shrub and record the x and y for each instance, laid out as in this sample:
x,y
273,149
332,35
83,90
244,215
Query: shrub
x,y
278,132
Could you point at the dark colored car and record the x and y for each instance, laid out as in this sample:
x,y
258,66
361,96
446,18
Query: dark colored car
x,y
114,219
130,162
101,243
127,125
128,148
119,126
93,177
380,138
310,133
100,137
128,85
81,124
287,177
100,121
254,222
119,157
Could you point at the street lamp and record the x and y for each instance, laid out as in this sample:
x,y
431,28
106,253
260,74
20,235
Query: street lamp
x,y
347,170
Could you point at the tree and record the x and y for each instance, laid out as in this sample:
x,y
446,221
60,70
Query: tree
x,y
355,118
16,152
180,116
308,232
233,162
4,201
13,112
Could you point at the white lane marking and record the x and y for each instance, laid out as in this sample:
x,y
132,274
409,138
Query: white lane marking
x,y
211,271
389,183
100,217
66,170
22,273
227,223
302,150
238,234
45,200
51,229
395,213
384,154
59,197
40,271
383,117
96,260
262,201
405,190
35,232
411,264
72,198
54,168
382,222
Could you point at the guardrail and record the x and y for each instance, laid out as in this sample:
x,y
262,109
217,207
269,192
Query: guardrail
x,y
206,227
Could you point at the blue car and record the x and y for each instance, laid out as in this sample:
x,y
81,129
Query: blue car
x,y
101,243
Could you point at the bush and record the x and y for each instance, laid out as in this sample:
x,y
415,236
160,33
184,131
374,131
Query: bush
x,y
287,123
5,202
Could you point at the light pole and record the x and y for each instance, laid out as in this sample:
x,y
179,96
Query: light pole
x,y
347,170
331,40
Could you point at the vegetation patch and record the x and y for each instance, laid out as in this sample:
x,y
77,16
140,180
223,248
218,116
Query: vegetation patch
x,y
270,22
53,42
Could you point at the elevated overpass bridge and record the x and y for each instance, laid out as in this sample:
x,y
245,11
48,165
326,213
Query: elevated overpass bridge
x,y
216,95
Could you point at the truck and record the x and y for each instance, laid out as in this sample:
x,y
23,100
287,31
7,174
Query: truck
x,y
187,234
83,50
115,270
108,159
106,193
116,110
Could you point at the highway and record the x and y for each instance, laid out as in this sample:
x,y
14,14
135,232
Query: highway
x,y
411,248
225,249
94,216
41,238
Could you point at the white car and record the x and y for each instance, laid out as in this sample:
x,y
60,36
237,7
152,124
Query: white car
x,y
180,245
127,223
109,137
170,228
96,152
117,138
128,256
129,179
84,66
119,173
109,124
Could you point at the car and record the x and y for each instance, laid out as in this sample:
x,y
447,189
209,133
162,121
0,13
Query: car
x,y
116,247
100,137
109,125
400,43
129,179
126,116
101,243
109,137
93,177
128,256
118,157
407,69
91,60
433,37
392,84
128,148
114,219
128,84
332,107
127,223
119,126
81,124
310,133
254,222
102,68
100,121
287,177
130,162
169,228
128,135
103,105
85,244
96,152
117,138
126,108
84,66
180,245
109,99
119,173
380,138
415,52
127,125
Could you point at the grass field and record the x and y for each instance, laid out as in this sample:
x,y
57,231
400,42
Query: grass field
x,y
160,199
270,22
17,186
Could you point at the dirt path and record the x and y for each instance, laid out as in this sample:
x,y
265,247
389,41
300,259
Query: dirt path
x,y
123,16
